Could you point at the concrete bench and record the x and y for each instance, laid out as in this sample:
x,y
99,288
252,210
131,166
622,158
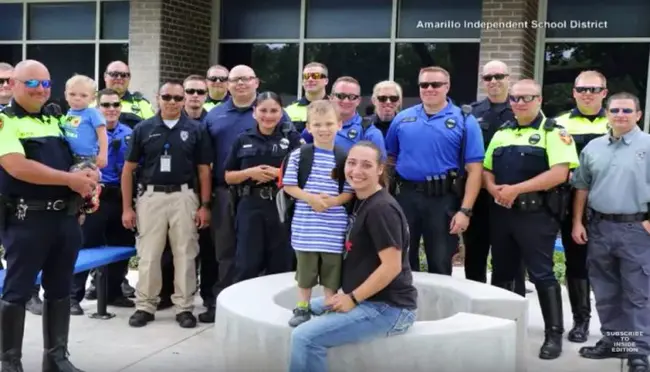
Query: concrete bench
x,y
94,258
462,326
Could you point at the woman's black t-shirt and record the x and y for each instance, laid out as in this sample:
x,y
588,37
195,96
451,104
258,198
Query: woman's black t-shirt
x,y
376,224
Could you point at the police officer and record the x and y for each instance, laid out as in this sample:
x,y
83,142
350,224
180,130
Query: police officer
x,y
491,112
173,149
314,81
584,122
225,123
431,145
386,103
39,213
524,159
346,93
612,182
253,166
217,79
5,90
104,227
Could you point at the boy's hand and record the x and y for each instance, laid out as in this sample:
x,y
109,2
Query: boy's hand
x,y
317,203
102,161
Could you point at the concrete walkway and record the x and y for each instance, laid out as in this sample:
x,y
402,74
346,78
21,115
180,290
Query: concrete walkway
x,y
111,345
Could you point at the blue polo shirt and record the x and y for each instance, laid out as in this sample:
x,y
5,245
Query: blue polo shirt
x,y
118,143
351,133
429,145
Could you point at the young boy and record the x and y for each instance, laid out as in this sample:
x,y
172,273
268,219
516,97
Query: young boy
x,y
320,220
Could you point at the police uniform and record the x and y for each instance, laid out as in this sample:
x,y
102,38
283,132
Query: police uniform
x,y
212,103
297,112
528,230
378,123
616,174
104,227
262,240
135,108
40,231
583,129
166,205
354,130
490,117
427,152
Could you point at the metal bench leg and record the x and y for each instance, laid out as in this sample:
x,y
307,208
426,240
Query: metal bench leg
x,y
101,283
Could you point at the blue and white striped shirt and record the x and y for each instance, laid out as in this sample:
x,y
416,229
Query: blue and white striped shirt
x,y
312,231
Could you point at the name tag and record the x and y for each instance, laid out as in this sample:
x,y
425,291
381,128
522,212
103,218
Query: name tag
x,y
166,163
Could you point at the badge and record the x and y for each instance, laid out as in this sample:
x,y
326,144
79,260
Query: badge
x,y
135,108
640,155
352,134
565,137
450,123
534,139
410,119
284,144
184,135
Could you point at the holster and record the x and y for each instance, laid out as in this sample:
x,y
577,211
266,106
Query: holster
x,y
557,202
458,184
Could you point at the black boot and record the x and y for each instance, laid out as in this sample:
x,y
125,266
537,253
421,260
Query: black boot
x,y
579,295
56,326
550,300
12,328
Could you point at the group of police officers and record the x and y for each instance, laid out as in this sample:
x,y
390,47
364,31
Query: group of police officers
x,y
499,163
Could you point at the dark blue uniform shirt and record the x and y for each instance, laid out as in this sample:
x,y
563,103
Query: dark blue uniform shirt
x,y
187,143
491,116
428,146
118,143
351,133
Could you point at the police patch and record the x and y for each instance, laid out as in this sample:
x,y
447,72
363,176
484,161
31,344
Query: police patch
x,y
565,137
2,123
184,135
409,119
352,133
534,139
450,123
284,144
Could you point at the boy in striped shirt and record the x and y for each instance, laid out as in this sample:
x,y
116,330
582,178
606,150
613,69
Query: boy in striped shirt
x,y
320,220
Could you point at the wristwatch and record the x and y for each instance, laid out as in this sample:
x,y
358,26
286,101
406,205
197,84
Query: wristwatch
x,y
466,211
206,205
354,299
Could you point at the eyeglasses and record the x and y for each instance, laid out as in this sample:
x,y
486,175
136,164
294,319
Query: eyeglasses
x,y
526,98
589,89
118,74
169,97
110,104
498,77
34,83
4,81
433,84
214,79
200,92
384,99
624,110
314,75
242,79
342,96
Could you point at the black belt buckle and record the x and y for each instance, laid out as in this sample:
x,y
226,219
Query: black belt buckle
x,y
56,205
266,193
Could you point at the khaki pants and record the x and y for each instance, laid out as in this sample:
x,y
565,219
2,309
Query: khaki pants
x,y
160,214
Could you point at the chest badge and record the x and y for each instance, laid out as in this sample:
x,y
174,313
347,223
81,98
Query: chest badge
x,y
450,123
352,133
135,108
184,135
534,139
284,144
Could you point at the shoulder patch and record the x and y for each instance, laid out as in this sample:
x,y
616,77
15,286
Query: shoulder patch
x,y
2,123
565,137
409,119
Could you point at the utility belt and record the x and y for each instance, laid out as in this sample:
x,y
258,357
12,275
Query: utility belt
x,y
111,192
441,185
554,201
263,192
593,215
21,207
167,189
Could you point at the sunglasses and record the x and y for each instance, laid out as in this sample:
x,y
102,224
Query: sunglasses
x,y
433,84
200,92
524,98
384,99
110,104
34,83
589,89
169,97
118,74
214,79
623,110
497,77
342,96
4,81
314,75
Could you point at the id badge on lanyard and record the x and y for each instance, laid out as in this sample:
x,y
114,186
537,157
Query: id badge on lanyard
x,y
166,161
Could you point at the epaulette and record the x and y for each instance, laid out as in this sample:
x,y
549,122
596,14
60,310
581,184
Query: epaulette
x,y
137,96
286,128
550,124
52,109
508,125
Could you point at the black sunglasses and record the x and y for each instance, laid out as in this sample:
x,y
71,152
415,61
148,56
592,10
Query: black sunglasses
x,y
624,110
342,96
525,98
4,81
169,97
118,74
589,89
498,77
384,99
200,92
110,104
433,84
214,79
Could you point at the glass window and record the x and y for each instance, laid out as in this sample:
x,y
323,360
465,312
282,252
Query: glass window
x,y
115,20
260,19
460,59
366,62
625,65
109,53
61,21
621,18
276,65
439,19
79,59
11,53
349,19
11,26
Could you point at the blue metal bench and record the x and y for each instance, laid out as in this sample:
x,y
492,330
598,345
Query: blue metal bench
x,y
95,258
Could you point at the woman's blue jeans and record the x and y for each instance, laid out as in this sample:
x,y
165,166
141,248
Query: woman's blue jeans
x,y
367,321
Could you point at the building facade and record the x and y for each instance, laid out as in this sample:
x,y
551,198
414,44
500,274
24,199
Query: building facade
x,y
372,40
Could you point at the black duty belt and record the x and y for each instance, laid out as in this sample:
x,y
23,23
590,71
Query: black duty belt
x,y
168,189
433,186
266,193
635,217
41,205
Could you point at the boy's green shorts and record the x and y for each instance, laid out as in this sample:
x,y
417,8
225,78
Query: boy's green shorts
x,y
319,268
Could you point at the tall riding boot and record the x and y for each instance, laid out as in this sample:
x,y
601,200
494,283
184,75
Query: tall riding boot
x,y
56,325
550,300
579,295
12,328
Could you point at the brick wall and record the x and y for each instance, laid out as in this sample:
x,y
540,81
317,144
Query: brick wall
x,y
144,46
513,45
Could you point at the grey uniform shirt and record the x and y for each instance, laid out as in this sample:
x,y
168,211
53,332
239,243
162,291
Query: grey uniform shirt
x,y
616,172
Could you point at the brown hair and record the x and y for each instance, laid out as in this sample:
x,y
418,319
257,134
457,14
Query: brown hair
x,y
624,95
381,162
321,107
346,79
194,78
